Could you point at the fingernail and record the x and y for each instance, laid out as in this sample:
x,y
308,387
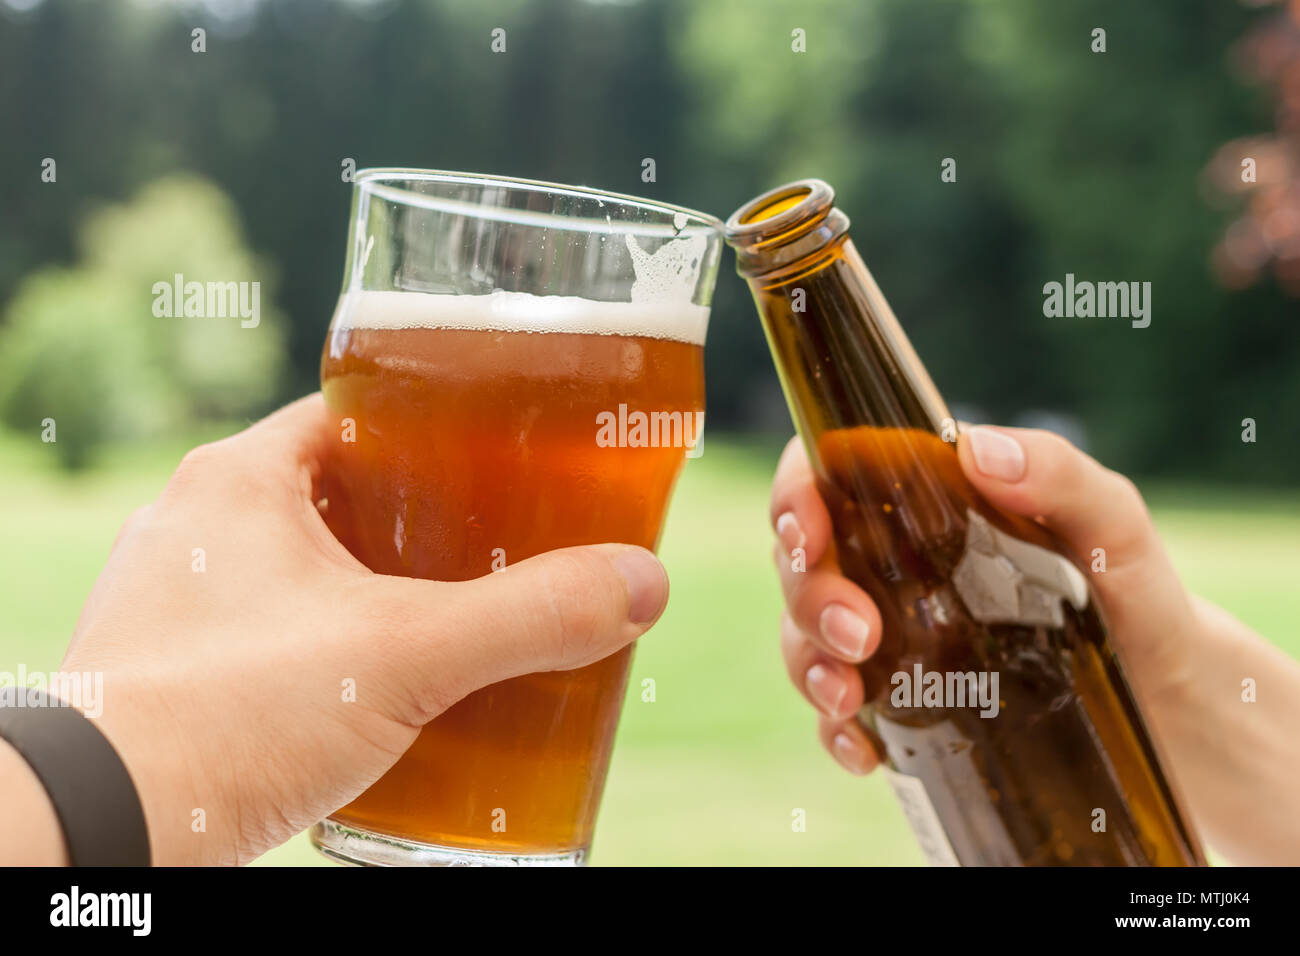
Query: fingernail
x,y
997,455
788,530
845,631
848,752
647,584
826,689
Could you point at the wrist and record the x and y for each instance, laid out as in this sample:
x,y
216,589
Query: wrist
x,y
1163,667
142,745
30,832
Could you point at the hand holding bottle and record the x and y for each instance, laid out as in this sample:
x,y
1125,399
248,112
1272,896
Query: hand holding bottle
x,y
1185,658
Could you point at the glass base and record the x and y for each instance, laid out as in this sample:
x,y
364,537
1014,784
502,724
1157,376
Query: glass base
x,y
357,847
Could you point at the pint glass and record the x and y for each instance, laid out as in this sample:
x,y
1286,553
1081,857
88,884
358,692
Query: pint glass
x,y
519,366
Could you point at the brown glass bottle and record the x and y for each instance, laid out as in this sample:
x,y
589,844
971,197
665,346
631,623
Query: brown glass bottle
x,y
1063,770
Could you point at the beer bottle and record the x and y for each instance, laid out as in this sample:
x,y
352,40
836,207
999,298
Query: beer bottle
x,y
1002,717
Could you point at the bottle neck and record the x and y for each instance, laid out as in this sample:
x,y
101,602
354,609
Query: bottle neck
x,y
843,357
877,431
830,326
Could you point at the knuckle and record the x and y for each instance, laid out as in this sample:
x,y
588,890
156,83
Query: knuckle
x,y
789,634
1059,443
1056,464
152,528
1127,495
199,458
805,602
1057,451
1134,530
135,521
196,470
138,516
215,470
794,645
779,557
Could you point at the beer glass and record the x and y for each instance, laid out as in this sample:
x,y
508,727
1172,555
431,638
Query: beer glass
x,y
494,348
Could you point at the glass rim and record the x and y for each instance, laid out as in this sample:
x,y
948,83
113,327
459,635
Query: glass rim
x,y
387,178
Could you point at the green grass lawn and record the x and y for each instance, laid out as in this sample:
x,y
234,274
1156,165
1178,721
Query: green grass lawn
x,y
712,771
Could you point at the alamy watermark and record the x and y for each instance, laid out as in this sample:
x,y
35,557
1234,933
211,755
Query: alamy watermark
x,y
946,690
131,910
84,690
637,429
209,300
1102,300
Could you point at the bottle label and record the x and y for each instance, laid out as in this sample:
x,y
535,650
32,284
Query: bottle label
x,y
920,814
1003,580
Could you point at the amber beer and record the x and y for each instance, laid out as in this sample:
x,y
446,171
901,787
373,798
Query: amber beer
x,y
476,446
1064,772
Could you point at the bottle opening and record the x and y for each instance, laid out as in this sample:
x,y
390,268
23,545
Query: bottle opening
x,y
784,225
778,206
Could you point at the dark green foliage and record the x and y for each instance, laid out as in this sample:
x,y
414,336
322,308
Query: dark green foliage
x,y
1068,161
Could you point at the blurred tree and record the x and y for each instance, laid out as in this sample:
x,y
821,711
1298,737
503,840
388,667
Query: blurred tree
x,y
68,358
85,347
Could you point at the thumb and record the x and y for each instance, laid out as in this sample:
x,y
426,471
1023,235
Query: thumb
x,y
557,611
1099,515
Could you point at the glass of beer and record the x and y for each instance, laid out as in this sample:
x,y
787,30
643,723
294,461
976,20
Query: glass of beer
x,y
520,365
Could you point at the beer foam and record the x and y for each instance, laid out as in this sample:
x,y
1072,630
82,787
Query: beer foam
x,y
501,311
